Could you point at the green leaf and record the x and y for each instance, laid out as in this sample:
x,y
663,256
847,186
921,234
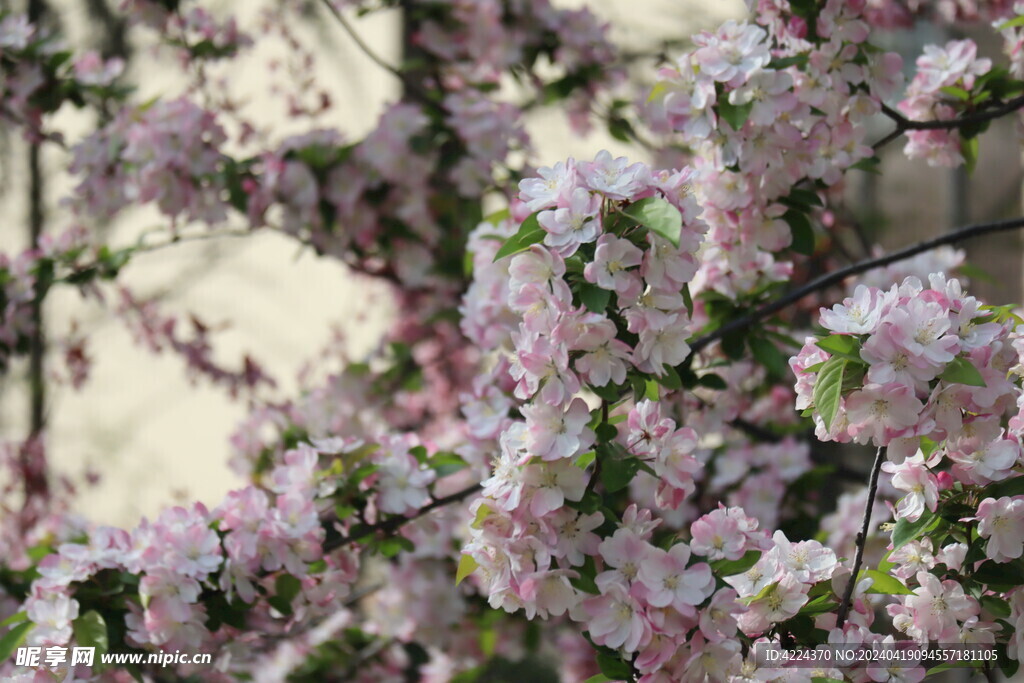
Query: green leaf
x,y
906,531
606,432
497,216
842,345
969,150
712,381
584,460
585,579
996,606
1012,23
784,62
659,216
446,462
670,379
467,565
884,584
599,678
361,473
529,233
819,605
828,389
869,165
955,92
688,299
962,371
594,298
617,472
802,199
13,639
768,355
91,631
803,234
1007,487
393,545
15,618
651,390
735,114
768,590
732,567
287,586
613,667
1000,575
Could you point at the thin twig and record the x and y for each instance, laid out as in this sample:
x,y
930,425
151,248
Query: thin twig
x,y
410,86
394,523
862,539
903,124
838,276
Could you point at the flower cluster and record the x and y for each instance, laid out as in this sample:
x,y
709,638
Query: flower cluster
x,y
786,104
940,71
167,153
909,363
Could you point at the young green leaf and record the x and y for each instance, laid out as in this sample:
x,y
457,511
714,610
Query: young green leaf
x,y
658,216
803,233
828,388
843,345
467,565
594,298
962,371
529,233
735,114
907,531
885,584
91,631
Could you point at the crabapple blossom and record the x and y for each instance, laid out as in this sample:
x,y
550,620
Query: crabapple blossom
x,y
1000,521
936,607
914,477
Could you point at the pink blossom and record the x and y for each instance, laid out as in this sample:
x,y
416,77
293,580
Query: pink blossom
x,y
1001,521
669,581
616,620
612,261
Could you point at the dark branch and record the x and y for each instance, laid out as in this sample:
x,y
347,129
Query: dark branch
x,y
411,87
393,524
862,539
903,124
836,277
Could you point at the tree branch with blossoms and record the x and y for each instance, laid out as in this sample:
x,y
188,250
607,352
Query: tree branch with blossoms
x,y
837,277
982,116
636,516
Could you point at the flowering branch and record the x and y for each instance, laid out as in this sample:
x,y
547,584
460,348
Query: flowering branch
x,y
903,124
862,538
836,277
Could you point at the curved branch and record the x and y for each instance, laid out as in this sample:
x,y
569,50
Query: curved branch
x,y
903,124
838,276
394,523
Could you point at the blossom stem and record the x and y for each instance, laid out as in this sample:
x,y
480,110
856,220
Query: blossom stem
x,y
837,276
862,539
